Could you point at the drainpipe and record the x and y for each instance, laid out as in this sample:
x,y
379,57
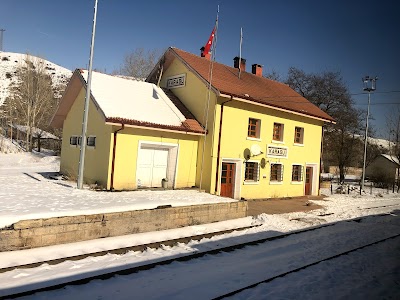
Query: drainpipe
x,y
113,155
219,143
320,160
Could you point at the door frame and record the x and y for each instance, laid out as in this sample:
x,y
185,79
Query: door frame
x,y
172,160
314,179
238,176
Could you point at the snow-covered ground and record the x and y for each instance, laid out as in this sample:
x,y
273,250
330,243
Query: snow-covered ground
x,y
25,193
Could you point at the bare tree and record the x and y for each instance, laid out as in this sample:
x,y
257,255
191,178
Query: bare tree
x,y
139,63
31,97
273,75
393,126
328,91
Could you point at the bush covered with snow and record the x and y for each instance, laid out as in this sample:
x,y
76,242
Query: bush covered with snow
x,y
6,146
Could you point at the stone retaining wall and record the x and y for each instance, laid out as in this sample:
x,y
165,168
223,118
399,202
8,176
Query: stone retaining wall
x,y
45,232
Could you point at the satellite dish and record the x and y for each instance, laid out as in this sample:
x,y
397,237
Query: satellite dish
x,y
246,153
255,149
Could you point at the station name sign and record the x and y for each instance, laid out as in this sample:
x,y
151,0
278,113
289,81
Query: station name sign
x,y
176,81
274,151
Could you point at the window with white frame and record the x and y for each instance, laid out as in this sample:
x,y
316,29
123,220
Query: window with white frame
x,y
278,132
91,141
297,173
251,172
298,135
276,172
253,129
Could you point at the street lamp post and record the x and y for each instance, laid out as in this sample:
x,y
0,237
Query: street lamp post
x,y
369,86
86,105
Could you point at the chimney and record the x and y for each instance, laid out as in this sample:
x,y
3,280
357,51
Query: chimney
x,y
207,56
242,64
256,69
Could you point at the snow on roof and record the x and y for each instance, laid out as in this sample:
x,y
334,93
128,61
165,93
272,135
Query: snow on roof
x,y
134,100
391,158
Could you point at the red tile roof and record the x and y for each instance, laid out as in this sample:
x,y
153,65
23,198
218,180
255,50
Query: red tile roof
x,y
251,87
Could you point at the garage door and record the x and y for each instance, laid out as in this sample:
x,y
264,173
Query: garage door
x,y
152,167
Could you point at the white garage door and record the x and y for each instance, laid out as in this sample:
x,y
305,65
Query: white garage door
x,y
152,167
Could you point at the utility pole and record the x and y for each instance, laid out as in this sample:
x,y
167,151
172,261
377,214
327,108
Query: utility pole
x,y
369,86
86,109
1,39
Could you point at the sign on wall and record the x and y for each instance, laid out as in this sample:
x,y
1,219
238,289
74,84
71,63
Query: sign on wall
x,y
275,151
176,81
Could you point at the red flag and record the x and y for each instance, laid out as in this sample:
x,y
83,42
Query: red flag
x,y
207,47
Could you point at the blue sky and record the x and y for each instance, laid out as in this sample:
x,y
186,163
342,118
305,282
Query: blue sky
x,y
357,38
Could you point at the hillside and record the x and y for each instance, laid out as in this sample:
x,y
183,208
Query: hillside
x,y
9,63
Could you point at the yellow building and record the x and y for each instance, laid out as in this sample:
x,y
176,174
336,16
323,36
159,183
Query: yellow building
x,y
263,139
138,134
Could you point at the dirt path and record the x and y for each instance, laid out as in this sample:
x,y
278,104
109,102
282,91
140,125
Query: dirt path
x,y
282,205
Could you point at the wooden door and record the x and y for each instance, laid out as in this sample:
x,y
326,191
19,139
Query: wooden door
x,y
309,176
227,179
151,167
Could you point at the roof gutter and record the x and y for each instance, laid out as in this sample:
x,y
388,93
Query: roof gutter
x,y
277,108
113,155
158,128
219,143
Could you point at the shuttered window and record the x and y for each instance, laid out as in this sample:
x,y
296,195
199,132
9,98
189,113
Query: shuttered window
x,y
278,132
251,171
276,172
91,141
297,173
253,129
73,140
298,135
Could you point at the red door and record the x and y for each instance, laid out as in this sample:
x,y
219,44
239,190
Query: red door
x,y
309,175
227,179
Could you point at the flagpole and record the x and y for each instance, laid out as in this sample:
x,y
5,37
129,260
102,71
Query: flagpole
x,y
206,108
86,109
240,51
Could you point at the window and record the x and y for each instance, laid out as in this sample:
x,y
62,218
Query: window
x,y
297,173
276,172
251,171
79,140
91,141
253,130
298,135
278,132
73,140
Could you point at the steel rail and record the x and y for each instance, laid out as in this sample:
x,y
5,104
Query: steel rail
x,y
302,268
124,250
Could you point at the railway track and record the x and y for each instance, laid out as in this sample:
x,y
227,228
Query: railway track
x,y
182,258
124,250
382,206
232,293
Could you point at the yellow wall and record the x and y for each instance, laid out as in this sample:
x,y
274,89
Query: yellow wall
x,y
234,138
234,141
127,152
195,96
97,158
